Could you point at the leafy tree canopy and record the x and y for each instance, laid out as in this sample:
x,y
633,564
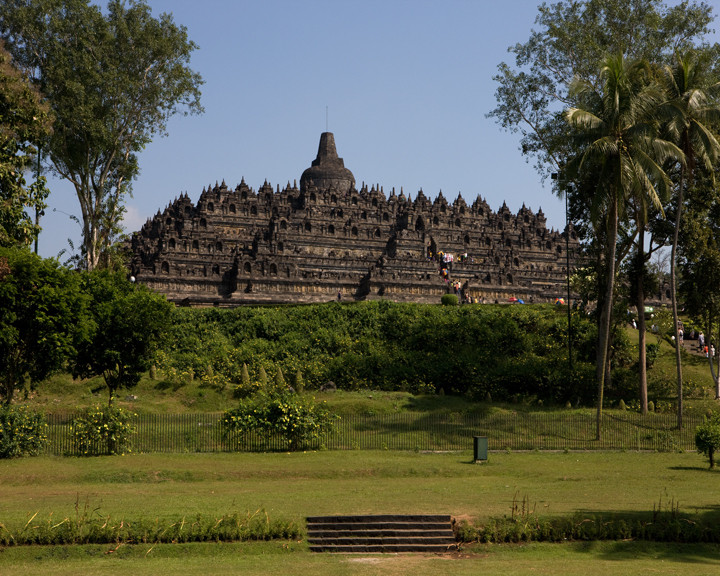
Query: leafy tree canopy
x,y
24,122
113,81
571,40
129,323
42,312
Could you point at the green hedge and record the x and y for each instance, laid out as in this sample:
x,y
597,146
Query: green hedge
x,y
473,350
469,350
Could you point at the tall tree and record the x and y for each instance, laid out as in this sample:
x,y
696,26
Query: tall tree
x,y
129,322
113,81
42,313
615,133
25,121
699,261
694,110
571,40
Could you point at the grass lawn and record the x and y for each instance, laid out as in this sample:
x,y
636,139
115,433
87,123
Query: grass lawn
x,y
293,486
260,559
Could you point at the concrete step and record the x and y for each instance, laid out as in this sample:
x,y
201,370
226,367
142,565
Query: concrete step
x,y
381,533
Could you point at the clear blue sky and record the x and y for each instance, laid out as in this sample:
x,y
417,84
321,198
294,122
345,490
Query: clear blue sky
x,y
406,85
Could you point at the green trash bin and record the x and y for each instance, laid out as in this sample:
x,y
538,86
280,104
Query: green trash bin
x,y
480,448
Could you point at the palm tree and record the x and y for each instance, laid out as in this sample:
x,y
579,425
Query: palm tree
x,y
616,129
693,105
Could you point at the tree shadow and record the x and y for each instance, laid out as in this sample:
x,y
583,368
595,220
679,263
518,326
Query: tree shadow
x,y
695,469
624,551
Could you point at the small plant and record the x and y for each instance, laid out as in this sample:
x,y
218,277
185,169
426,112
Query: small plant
x,y
280,380
262,379
299,382
449,300
103,430
707,438
651,354
22,432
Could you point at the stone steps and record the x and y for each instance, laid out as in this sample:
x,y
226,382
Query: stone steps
x,y
381,534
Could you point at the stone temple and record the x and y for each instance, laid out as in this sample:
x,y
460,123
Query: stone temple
x,y
328,240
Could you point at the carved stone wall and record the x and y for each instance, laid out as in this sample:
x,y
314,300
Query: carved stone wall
x,y
309,244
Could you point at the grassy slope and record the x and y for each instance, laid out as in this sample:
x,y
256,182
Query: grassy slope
x,y
63,394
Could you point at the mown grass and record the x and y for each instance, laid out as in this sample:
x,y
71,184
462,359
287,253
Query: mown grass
x,y
261,559
293,486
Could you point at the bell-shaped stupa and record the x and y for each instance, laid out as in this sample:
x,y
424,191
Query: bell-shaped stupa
x,y
327,170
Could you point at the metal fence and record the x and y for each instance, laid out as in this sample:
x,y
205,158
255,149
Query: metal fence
x,y
178,433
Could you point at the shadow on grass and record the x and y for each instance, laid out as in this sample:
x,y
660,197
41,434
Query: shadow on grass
x,y
695,469
662,551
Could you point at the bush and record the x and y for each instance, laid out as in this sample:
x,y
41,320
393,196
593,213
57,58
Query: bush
x,y
658,526
100,431
449,300
298,420
393,346
22,432
651,354
707,438
89,527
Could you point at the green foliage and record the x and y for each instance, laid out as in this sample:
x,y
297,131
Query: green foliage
x,y
664,525
42,313
449,300
22,432
90,527
464,350
130,323
280,383
262,379
651,354
104,430
245,388
108,107
299,382
707,438
568,41
25,122
299,420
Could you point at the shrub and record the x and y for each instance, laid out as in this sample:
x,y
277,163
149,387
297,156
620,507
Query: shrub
x,y
658,526
707,438
106,430
90,527
299,382
449,300
262,379
245,388
651,354
280,380
299,420
22,432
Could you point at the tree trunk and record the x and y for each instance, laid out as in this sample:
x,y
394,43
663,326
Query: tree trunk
x,y
717,379
606,316
673,296
640,305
